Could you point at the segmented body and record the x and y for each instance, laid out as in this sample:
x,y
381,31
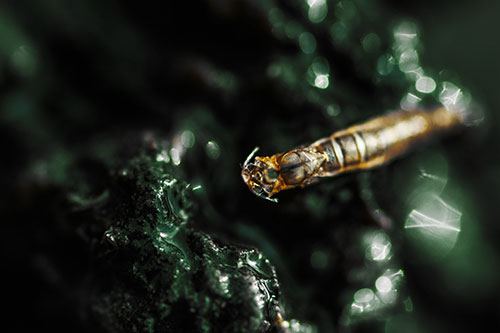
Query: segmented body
x,y
358,147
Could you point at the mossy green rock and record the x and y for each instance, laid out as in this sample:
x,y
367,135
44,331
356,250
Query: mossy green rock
x,y
154,271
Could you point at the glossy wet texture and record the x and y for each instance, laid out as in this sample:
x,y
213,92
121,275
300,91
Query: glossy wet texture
x,y
123,130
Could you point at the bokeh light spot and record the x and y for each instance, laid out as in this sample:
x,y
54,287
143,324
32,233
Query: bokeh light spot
x,y
385,64
379,247
175,155
410,101
321,81
383,284
364,295
406,34
212,149
408,61
319,259
371,43
318,10
339,32
307,42
425,85
434,225
187,139
320,66
332,110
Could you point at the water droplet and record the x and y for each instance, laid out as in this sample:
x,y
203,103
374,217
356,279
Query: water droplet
x,y
167,230
197,188
175,155
163,157
109,234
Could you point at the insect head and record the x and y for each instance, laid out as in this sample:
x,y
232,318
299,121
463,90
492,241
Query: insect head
x,y
261,175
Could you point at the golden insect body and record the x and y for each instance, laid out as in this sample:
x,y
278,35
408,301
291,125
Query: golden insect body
x,y
359,147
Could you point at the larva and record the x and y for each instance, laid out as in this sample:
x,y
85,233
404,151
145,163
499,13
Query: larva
x,y
359,147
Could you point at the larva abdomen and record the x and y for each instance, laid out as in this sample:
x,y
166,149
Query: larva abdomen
x,y
379,140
